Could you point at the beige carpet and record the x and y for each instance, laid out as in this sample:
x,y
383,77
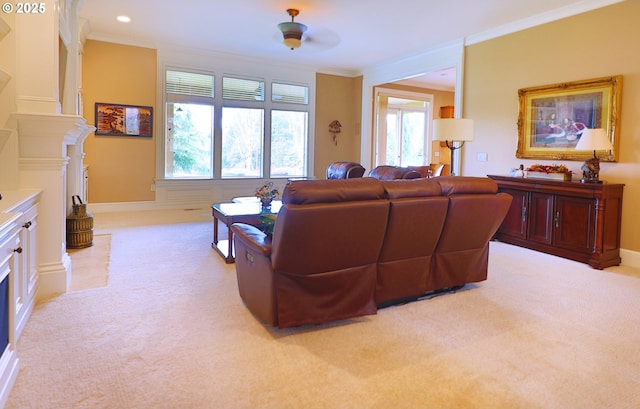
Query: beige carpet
x,y
169,331
90,266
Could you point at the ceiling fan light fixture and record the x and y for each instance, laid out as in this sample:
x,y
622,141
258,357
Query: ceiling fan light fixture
x,y
292,31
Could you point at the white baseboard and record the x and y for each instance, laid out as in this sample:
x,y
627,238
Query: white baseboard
x,y
188,194
630,258
54,278
146,206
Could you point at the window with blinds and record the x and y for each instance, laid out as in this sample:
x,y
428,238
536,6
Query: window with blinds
x,y
289,94
242,89
258,135
189,83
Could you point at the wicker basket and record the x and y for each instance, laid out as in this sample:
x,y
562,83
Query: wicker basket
x,y
79,226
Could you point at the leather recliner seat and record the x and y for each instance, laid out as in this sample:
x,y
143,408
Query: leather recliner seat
x,y
344,170
342,248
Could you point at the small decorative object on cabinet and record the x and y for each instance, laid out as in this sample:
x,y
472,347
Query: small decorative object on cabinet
x,y
550,172
573,220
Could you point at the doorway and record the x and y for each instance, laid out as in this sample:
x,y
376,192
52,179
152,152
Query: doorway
x,y
403,131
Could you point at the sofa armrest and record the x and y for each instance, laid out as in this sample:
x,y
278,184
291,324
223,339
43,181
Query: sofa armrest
x,y
253,238
256,281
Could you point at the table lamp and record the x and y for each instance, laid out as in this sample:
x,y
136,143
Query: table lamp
x,y
593,140
453,130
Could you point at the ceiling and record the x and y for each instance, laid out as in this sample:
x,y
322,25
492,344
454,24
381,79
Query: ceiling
x,y
343,37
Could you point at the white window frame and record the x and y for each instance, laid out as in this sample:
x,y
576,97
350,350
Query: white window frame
x,y
220,65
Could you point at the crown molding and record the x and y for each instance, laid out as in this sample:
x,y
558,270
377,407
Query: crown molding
x,y
539,19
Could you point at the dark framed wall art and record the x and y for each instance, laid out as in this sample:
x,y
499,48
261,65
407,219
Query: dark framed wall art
x,y
123,120
552,118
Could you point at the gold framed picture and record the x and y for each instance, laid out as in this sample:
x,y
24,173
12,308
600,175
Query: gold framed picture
x,y
551,118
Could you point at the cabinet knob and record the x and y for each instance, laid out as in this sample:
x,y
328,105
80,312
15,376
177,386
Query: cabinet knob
x,y
27,225
18,250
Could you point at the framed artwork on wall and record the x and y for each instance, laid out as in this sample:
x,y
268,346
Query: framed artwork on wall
x,y
123,120
552,118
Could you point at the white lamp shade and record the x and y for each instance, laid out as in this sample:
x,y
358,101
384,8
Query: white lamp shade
x,y
594,140
453,129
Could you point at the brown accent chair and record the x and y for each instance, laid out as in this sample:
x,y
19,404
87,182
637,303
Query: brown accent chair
x,y
388,172
440,170
344,170
344,248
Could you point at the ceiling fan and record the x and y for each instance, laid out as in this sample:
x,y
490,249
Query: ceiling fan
x,y
294,34
292,31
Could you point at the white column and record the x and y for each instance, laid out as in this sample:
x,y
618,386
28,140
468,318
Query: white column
x,y
44,146
37,64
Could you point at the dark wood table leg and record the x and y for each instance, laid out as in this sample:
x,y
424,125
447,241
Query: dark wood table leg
x,y
215,232
230,257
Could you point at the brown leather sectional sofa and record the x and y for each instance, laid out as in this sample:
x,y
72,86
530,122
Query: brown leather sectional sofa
x,y
388,172
343,248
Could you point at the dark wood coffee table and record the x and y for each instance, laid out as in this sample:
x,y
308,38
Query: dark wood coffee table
x,y
229,213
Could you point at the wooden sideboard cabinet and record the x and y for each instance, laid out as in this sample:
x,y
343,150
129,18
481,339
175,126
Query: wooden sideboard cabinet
x,y
578,221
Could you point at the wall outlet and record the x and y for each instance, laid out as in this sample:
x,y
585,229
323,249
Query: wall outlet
x,y
153,188
482,156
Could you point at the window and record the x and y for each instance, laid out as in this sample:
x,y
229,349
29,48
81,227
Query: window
x,y
242,149
260,127
189,131
289,125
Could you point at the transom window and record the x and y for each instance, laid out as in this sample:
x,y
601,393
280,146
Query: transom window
x,y
248,128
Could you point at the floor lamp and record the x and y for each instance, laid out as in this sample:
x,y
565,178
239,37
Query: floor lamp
x,y
451,130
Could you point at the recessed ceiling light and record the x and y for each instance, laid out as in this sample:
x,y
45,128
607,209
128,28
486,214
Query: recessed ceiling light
x,y
123,19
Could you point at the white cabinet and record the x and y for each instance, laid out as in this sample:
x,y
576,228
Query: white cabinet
x,y
18,276
24,263
26,268
9,248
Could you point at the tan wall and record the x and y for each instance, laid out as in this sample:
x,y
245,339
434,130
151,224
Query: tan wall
x,y
337,98
121,169
8,66
596,44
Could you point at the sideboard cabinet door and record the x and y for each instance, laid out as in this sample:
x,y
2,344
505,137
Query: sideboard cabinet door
x,y
541,218
574,223
515,222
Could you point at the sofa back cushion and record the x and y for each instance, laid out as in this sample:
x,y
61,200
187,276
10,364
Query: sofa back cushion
x,y
334,190
474,214
457,185
387,172
416,216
